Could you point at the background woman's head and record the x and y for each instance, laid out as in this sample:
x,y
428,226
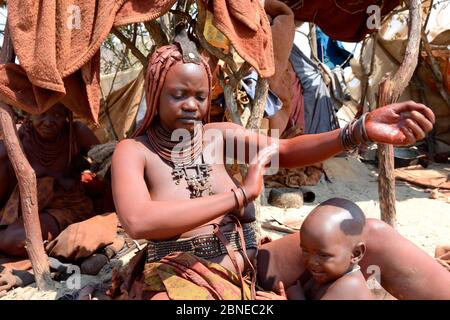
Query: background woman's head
x,y
50,124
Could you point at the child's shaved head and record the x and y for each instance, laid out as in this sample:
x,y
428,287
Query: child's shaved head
x,y
340,213
332,238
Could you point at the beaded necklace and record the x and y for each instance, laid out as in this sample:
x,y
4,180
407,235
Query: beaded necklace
x,y
48,152
182,156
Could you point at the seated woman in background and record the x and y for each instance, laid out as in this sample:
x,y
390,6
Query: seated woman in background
x,y
53,145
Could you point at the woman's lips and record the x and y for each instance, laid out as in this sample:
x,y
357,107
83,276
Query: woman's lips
x,y
47,131
188,120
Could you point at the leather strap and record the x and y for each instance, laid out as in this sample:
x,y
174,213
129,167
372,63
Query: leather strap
x,y
252,271
232,256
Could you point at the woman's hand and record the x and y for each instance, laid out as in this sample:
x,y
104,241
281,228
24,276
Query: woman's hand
x,y
401,123
262,295
254,179
7,281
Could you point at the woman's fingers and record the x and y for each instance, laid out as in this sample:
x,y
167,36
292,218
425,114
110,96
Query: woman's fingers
x,y
266,154
261,295
419,134
410,106
409,136
420,120
281,289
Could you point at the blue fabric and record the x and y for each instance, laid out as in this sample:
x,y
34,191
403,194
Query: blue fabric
x,y
273,103
333,53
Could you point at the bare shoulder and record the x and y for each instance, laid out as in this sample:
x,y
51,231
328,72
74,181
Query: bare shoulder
x,y
228,130
349,287
132,146
131,150
85,137
222,126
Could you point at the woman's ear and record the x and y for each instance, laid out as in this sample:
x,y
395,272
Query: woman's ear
x,y
358,252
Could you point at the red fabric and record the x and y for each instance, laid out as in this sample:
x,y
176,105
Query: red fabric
x,y
343,20
245,24
297,117
283,33
62,63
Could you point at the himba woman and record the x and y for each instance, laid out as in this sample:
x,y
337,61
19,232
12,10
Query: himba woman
x,y
196,217
53,144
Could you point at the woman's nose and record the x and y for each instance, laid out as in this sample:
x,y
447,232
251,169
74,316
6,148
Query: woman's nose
x,y
48,121
190,105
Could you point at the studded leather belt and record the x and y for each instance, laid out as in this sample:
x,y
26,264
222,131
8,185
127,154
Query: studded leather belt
x,y
203,246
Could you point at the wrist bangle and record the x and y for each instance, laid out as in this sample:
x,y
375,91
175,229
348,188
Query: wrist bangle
x,y
245,195
360,131
239,198
354,133
347,137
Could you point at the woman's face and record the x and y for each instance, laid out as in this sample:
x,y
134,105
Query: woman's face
x,y
184,97
50,124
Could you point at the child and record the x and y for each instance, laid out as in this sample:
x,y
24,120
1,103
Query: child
x,y
332,244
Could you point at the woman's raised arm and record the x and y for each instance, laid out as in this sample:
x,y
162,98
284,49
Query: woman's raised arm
x,y
399,124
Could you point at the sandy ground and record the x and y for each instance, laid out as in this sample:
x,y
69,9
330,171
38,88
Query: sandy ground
x,y
424,221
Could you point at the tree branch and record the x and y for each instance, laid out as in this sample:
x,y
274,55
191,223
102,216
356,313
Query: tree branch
x,y
26,179
389,91
134,50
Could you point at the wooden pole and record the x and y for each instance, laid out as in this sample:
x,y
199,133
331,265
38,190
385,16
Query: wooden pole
x,y
26,178
389,91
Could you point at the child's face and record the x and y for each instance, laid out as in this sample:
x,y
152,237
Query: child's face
x,y
327,255
184,96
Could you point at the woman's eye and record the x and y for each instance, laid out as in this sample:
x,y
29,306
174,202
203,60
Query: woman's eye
x,y
201,99
177,96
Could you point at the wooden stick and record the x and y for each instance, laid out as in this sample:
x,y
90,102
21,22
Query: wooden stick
x,y
26,179
389,91
269,226
259,103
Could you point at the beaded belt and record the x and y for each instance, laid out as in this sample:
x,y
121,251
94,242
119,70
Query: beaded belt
x,y
203,246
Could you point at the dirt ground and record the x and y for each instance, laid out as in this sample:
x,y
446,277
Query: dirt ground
x,y
422,220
